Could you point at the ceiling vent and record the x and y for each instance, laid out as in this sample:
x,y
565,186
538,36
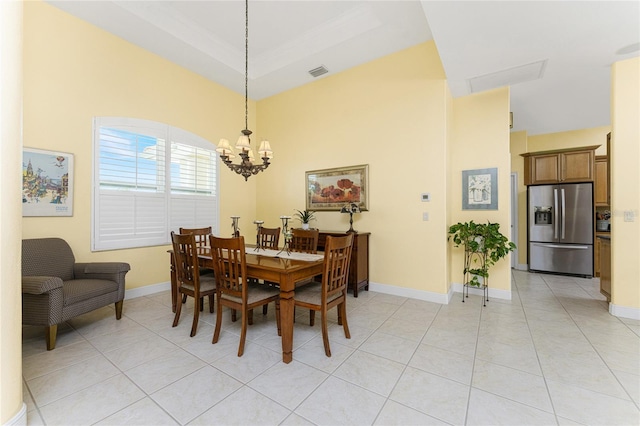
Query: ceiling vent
x,y
317,72
508,77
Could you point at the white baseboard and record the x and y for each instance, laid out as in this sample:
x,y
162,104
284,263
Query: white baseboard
x,y
147,290
493,292
411,293
522,266
20,419
429,296
624,311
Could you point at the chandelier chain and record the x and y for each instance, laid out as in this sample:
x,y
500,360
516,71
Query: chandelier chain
x,y
246,64
246,168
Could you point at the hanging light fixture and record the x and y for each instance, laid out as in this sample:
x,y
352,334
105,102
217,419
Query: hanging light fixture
x,y
246,167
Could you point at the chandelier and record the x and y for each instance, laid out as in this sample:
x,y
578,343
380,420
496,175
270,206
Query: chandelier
x,y
246,167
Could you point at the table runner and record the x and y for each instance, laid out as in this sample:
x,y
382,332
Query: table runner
x,y
308,257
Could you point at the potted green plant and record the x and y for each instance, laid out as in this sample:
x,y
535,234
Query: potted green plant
x,y
484,245
305,217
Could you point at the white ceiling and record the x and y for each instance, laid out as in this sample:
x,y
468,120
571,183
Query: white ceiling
x,y
556,55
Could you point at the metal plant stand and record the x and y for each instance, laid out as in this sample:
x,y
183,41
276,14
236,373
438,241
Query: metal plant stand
x,y
475,260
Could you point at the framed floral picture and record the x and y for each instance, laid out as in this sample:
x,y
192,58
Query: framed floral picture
x,y
47,183
480,189
331,189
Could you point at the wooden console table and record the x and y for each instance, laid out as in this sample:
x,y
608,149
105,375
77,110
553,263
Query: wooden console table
x,y
359,269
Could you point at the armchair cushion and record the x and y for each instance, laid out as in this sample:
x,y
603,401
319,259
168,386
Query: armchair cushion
x,y
76,291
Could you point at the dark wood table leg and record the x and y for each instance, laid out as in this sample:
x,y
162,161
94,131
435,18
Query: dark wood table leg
x,y
287,306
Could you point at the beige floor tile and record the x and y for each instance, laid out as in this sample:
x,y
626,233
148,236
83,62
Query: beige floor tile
x,y
50,361
444,363
397,414
349,404
194,394
288,384
589,407
436,396
519,386
160,372
552,354
390,347
358,369
255,361
488,409
66,381
142,413
235,410
94,403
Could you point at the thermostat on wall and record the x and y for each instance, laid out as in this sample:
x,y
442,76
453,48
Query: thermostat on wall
x,y
426,196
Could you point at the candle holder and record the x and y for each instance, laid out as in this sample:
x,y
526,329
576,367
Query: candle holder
x,y
234,225
351,208
258,239
286,233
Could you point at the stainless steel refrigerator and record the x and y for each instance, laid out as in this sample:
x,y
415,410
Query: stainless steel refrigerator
x,y
560,221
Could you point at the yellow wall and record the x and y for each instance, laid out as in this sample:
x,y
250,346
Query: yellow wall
x,y
11,406
571,139
625,183
73,72
389,114
518,145
480,140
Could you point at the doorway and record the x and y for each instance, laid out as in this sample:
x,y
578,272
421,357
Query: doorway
x,y
514,218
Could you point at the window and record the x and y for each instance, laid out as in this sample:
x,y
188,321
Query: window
x,y
149,179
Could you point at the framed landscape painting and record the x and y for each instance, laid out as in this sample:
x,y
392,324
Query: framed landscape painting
x,y
331,189
47,183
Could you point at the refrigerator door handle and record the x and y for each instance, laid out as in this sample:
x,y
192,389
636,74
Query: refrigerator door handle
x,y
555,213
564,216
562,246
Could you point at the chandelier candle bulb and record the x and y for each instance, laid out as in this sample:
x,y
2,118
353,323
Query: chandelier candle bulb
x,y
265,149
243,143
223,147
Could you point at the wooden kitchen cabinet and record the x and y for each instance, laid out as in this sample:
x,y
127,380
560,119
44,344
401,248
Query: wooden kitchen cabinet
x,y
560,166
601,183
597,250
359,268
605,267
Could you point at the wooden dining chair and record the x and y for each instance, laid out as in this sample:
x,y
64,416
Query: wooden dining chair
x,y
188,278
304,240
269,237
234,290
202,243
332,291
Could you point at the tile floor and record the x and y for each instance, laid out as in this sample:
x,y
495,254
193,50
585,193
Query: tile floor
x,y
552,355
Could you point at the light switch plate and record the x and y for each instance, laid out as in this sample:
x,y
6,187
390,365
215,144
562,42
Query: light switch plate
x,y
628,216
425,216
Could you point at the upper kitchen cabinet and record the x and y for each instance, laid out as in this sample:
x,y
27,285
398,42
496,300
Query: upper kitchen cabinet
x,y
560,166
601,196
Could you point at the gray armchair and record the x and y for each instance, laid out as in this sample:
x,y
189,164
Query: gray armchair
x,y
55,288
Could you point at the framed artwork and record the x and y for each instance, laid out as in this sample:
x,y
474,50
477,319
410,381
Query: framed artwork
x,y
331,189
480,189
47,183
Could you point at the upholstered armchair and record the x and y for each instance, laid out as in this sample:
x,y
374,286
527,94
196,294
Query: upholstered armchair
x,y
55,288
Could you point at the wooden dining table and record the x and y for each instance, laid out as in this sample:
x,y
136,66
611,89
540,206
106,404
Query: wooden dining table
x,y
286,272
